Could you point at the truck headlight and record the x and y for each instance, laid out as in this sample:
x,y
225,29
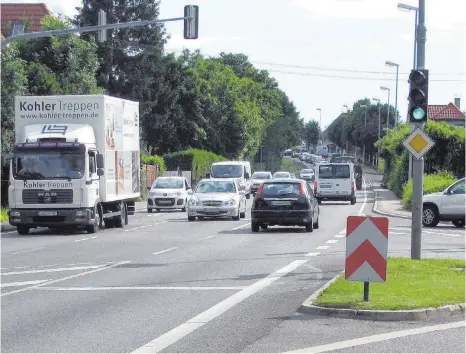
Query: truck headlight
x,y
15,214
80,213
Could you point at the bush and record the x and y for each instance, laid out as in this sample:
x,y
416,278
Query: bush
x,y
448,153
433,183
197,161
4,215
154,160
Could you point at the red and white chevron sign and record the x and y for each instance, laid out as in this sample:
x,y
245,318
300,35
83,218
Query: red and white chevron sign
x,y
366,248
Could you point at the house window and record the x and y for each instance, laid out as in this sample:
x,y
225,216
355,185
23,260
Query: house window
x,y
18,28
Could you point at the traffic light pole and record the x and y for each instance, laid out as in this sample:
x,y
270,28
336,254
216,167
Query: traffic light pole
x,y
418,164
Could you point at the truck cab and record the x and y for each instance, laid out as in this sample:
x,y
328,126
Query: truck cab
x,y
54,178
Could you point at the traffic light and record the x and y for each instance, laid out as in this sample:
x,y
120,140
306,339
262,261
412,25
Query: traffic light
x,y
191,26
418,95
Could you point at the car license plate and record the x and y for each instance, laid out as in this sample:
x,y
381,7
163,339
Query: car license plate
x,y
325,186
213,210
281,202
164,202
47,213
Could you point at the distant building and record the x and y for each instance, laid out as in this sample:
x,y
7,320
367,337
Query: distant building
x,y
450,113
22,17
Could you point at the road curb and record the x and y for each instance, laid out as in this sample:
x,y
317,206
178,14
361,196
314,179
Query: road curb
x,y
380,212
378,315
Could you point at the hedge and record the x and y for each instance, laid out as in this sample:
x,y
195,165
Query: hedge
x,y
197,161
448,153
154,160
436,182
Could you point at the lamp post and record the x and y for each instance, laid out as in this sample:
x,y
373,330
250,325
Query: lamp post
x,y
320,123
378,136
416,20
365,133
383,88
348,113
389,63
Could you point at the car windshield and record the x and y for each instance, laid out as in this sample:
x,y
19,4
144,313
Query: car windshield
x,y
306,171
227,171
216,187
261,175
281,189
281,175
168,184
47,164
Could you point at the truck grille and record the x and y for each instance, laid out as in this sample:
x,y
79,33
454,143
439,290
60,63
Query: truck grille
x,y
213,203
53,196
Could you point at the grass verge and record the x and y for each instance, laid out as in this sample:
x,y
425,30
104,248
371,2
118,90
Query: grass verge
x,y
381,165
292,166
4,215
411,284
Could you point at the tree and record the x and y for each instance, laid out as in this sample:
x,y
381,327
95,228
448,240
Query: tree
x,y
311,133
14,82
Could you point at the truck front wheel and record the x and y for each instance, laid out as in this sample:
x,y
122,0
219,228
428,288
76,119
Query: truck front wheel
x,y
22,230
92,229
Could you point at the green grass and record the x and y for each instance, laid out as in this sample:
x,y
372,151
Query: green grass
x,y
291,166
4,215
381,165
411,284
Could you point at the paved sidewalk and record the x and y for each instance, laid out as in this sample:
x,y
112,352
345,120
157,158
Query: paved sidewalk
x,y
371,170
387,203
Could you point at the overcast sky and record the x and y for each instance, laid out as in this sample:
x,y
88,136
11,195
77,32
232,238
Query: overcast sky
x,y
327,53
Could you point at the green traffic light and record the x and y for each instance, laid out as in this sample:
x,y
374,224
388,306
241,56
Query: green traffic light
x,y
418,113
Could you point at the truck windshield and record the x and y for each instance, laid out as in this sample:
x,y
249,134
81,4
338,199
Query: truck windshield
x,y
227,171
46,164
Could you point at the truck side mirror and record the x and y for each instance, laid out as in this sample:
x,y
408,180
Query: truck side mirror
x,y
100,162
207,175
246,175
100,172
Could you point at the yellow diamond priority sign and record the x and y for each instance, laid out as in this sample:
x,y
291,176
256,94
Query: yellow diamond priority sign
x,y
418,143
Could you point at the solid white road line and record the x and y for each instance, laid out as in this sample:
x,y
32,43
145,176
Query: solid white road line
x,y
177,333
84,239
332,241
240,227
322,247
193,288
53,270
365,197
64,278
8,232
339,236
397,233
30,250
164,251
379,338
312,254
21,283
205,238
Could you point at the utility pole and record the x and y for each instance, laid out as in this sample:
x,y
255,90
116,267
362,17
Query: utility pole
x,y
418,164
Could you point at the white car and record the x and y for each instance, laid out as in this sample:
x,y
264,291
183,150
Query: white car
x,y
448,205
307,174
168,193
281,174
217,197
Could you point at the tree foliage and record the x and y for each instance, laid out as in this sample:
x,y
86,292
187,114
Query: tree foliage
x,y
311,133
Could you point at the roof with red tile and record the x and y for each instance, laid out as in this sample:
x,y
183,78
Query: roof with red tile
x,y
31,13
445,112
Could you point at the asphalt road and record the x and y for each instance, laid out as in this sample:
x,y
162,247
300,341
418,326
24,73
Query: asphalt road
x,y
164,284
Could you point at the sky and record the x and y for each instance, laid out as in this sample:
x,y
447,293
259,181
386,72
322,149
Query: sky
x,y
327,53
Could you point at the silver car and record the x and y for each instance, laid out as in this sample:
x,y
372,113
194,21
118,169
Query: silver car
x,y
258,178
217,198
307,174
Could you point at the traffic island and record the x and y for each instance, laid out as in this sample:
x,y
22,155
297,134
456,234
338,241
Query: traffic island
x,y
414,290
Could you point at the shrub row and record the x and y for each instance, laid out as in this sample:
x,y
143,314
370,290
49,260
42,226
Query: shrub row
x,y
195,160
433,183
448,154
154,160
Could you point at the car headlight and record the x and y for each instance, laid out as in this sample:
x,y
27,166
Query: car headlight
x,y
231,202
194,201
152,194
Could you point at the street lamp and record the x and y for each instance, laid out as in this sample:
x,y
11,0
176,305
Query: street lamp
x,y
320,123
383,88
365,133
378,139
406,7
392,64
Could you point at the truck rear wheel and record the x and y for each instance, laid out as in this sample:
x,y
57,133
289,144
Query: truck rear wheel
x,y
22,230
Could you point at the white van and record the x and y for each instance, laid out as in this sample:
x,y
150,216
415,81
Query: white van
x,y
335,181
239,170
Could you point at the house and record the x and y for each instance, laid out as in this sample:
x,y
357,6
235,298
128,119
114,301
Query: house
x,y
22,17
450,113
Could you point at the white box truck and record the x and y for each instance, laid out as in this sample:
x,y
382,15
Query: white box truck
x,y
75,162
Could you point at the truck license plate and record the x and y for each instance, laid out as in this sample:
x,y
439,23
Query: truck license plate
x,y
47,213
